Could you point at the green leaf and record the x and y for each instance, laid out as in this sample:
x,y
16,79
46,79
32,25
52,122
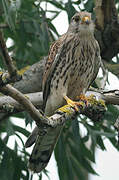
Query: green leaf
x,y
5,139
88,167
114,143
89,5
9,128
111,114
100,143
81,157
19,115
11,164
20,140
10,13
60,155
87,153
77,2
75,130
21,130
28,119
56,4
104,133
56,14
77,168
52,27
70,9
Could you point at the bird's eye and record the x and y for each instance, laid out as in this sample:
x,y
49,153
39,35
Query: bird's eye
x,y
76,18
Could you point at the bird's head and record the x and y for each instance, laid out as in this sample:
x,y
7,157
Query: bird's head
x,y
81,22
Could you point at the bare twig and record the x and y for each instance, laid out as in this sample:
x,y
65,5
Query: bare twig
x,y
8,61
105,75
12,76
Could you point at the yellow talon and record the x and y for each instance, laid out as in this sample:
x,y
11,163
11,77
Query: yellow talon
x,y
65,109
73,103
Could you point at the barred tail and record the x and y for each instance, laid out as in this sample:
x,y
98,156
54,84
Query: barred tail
x,y
32,138
43,148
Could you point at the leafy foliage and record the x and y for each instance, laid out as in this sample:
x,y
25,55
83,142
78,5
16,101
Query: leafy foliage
x,y
31,31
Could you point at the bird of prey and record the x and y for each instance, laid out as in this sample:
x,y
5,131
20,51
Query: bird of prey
x,y
72,65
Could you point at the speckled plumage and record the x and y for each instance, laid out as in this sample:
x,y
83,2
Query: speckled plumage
x,y
72,65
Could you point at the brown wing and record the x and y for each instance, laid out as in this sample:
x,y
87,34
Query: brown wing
x,y
97,61
51,56
55,47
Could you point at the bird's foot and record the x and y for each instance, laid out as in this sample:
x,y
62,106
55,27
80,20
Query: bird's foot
x,y
73,104
86,99
92,100
83,98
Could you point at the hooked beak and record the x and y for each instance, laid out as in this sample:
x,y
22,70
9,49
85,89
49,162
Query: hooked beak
x,y
86,20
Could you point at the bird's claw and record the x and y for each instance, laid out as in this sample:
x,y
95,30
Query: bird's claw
x,y
73,104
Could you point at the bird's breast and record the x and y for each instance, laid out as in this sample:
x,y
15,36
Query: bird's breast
x,y
82,69
73,73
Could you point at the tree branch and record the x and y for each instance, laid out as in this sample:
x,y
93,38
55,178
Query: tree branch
x,y
109,96
9,105
8,61
37,116
107,28
94,110
25,102
13,76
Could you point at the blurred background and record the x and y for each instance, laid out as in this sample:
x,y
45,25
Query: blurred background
x,y
86,150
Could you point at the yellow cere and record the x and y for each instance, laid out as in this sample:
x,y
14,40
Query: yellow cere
x,y
86,18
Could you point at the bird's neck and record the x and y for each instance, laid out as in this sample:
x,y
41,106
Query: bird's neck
x,y
83,33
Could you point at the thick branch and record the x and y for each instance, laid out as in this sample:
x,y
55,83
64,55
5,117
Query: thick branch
x,y
30,83
9,105
94,110
32,79
106,13
99,14
28,106
107,28
24,101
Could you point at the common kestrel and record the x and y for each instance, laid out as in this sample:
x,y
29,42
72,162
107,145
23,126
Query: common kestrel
x,y
72,65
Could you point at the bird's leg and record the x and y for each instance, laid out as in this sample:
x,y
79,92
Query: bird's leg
x,y
73,103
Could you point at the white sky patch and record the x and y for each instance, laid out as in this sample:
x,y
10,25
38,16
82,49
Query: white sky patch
x,y
107,163
113,82
61,24
9,42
